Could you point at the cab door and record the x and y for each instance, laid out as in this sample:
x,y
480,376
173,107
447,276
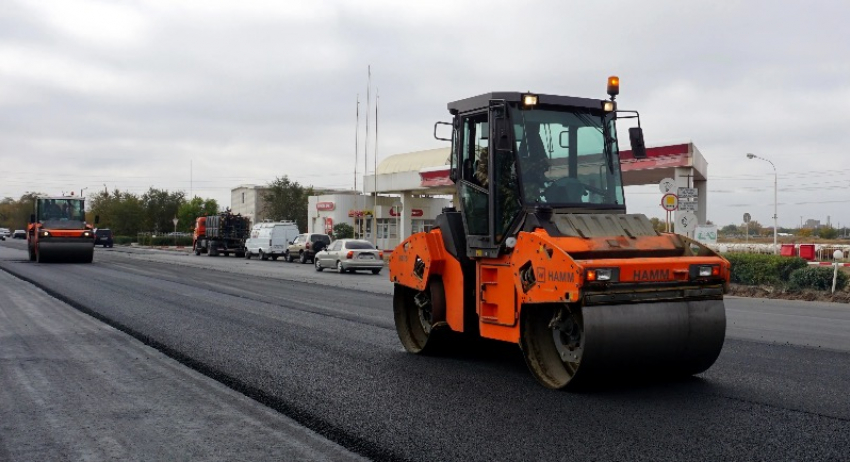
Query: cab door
x,y
473,185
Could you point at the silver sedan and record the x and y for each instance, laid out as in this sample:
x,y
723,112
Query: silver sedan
x,y
350,255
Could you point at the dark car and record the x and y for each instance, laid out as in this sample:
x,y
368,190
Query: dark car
x,y
103,237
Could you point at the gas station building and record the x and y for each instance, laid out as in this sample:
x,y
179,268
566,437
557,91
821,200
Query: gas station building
x,y
412,189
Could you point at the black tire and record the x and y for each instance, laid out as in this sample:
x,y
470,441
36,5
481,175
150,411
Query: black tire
x,y
287,257
552,341
376,271
302,258
247,255
263,255
274,257
317,265
421,325
339,267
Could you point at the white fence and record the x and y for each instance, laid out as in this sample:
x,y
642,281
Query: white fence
x,y
823,252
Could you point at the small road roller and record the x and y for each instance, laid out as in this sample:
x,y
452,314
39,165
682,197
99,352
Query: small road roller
x,y
58,231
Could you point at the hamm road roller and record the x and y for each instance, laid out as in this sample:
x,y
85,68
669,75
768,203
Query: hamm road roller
x,y
58,231
540,251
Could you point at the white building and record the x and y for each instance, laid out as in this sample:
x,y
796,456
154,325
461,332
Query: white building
x,y
365,214
248,200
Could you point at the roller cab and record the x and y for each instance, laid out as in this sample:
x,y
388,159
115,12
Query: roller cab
x,y
541,252
58,232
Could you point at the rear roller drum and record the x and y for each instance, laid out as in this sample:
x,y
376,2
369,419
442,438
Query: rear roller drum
x,y
420,317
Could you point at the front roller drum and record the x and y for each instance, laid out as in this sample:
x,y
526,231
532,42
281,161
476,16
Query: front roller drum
x,y
57,251
569,345
420,317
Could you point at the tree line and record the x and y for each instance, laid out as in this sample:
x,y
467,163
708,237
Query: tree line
x,y
125,213
128,214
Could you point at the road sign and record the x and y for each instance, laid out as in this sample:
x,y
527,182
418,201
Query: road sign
x,y
747,218
685,222
174,220
706,234
688,206
669,202
687,193
667,185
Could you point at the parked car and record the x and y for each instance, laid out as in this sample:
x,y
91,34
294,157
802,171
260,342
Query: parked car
x,y
305,246
103,236
4,232
19,234
270,239
350,255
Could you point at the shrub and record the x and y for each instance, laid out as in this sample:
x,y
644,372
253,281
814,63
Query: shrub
x,y
818,277
123,240
343,230
166,241
756,269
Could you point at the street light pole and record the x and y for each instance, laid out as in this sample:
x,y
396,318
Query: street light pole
x,y
775,197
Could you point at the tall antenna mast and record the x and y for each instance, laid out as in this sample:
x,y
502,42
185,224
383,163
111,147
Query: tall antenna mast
x,y
375,202
368,108
366,143
356,140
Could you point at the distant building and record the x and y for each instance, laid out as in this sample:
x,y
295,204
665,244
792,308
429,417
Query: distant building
x,y
249,201
812,224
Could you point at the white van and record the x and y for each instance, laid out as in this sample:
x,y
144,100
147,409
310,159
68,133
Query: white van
x,y
270,239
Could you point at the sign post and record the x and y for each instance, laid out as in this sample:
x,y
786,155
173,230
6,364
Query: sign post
x,y
686,222
667,185
747,227
706,234
175,230
669,202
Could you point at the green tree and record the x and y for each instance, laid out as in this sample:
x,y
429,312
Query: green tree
x,y
753,227
343,231
828,232
160,208
287,200
729,229
658,224
189,211
15,214
122,212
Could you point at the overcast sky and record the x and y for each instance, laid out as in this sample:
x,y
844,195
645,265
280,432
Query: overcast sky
x,y
207,95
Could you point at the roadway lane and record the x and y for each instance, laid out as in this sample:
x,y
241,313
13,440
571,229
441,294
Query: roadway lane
x,y
73,388
328,357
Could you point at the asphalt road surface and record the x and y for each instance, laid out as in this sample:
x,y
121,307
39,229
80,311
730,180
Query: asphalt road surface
x,y
321,349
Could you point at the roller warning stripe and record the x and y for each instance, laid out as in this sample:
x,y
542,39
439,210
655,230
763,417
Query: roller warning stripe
x,y
826,263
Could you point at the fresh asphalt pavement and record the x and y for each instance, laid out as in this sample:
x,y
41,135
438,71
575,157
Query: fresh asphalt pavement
x,y
320,348
74,388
